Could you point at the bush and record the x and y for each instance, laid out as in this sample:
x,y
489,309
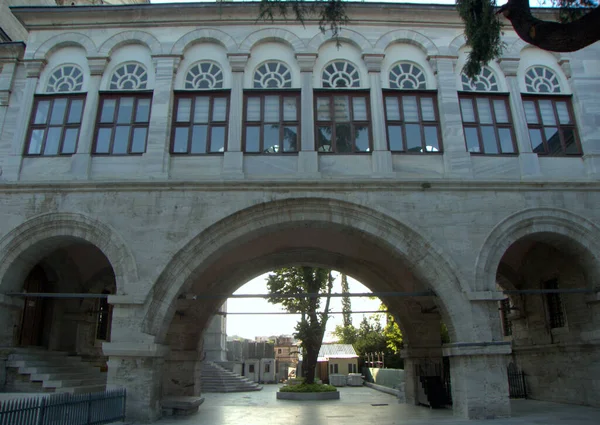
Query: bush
x,y
308,388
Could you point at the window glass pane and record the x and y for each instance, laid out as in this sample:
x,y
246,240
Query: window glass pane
x,y
413,138
142,113
271,109
547,112
488,135
108,110
472,138
359,108
343,138
121,139
468,113
199,134
530,112
180,144
361,133
52,141
323,113
570,142
75,111
125,110
201,109
432,143
219,109
535,137
57,115
35,142
553,141
427,110
138,144
506,141
341,108
70,141
290,139
253,111
271,138
290,109
563,113
217,139
409,106
500,111
252,139
103,141
392,109
41,113
324,139
184,108
395,137
484,110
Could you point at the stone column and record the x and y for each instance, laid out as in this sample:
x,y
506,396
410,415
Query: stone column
x,y
529,162
233,160
308,160
156,158
381,158
82,159
457,161
479,381
215,337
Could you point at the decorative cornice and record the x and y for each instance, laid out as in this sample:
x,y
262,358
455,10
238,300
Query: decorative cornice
x,y
34,67
565,64
435,59
238,61
509,66
172,60
97,64
373,61
306,61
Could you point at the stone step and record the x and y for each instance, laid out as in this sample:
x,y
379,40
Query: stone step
x,y
52,363
61,383
82,389
217,379
30,370
72,375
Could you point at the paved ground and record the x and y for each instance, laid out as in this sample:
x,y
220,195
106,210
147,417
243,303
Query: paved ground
x,y
363,406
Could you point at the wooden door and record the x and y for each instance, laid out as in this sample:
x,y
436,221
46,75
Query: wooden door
x,y
33,311
324,372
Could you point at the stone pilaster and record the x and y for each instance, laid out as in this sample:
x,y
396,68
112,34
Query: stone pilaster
x,y
308,161
529,162
82,160
381,157
233,161
457,161
11,309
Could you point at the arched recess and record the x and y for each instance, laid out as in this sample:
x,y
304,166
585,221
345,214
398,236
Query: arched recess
x,y
64,40
422,258
24,246
407,36
273,34
557,226
130,37
352,37
456,44
201,35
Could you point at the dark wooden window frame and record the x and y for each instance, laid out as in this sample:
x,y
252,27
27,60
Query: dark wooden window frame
x,y
331,123
477,124
118,95
46,126
262,93
399,93
554,98
211,94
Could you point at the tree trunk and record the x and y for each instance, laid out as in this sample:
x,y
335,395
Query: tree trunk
x,y
312,354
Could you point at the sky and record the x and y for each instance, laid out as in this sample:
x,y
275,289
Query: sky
x,y
250,326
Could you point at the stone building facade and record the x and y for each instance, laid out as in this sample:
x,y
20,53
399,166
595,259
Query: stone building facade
x,y
166,154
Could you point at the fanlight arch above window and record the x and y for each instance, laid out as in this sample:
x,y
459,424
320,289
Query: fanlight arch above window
x,y
204,75
539,79
65,79
486,81
129,76
340,74
272,75
407,76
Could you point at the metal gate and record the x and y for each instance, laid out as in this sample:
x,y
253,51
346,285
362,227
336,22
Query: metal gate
x,y
516,382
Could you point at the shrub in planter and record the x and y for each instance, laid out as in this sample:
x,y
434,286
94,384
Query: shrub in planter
x,y
308,388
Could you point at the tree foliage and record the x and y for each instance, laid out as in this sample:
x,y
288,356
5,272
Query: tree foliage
x,y
294,282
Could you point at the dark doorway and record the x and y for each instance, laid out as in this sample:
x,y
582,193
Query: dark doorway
x,y
33,311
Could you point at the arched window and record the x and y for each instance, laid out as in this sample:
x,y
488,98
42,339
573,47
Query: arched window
x,y
272,75
340,74
204,75
129,76
408,76
485,81
539,79
65,79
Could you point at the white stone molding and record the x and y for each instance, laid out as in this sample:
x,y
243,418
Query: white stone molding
x,y
163,59
456,44
34,67
97,65
273,34
353,37
130,37
210,35
373,61
565,65
306,61
410,37
238,61
67,39
307,164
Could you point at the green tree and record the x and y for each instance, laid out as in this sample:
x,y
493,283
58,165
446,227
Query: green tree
x,y
577,24
299,290
393,335
346,303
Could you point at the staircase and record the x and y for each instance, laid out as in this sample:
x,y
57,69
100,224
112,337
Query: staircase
x,y
216,379
56,371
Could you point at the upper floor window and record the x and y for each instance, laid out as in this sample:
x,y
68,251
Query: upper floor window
x,y
65,79
340,74
204,75
485,82
272,75
539,79
407,76
129,76
556,314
